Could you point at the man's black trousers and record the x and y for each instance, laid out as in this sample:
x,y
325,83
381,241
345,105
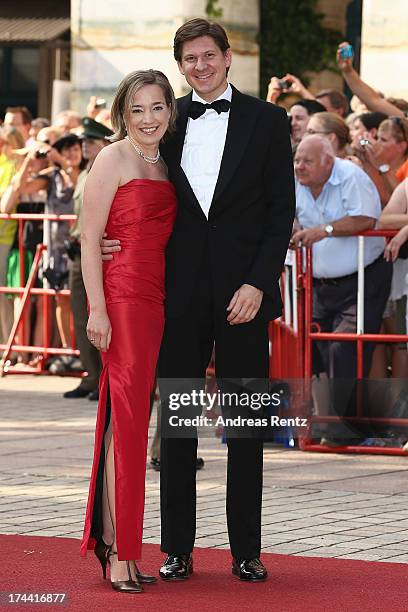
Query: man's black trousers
x,y
241,351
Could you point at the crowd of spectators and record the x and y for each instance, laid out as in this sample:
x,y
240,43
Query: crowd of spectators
x,y
41,165
351,167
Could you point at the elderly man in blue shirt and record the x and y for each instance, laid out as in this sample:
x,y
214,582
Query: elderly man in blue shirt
x,y
334,200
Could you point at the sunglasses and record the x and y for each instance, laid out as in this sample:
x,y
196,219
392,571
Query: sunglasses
x,y
400,123
311,132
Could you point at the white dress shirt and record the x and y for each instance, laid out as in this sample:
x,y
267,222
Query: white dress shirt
x,y
349,191
203,149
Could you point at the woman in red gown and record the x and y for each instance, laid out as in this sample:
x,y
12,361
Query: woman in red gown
x,y
128,196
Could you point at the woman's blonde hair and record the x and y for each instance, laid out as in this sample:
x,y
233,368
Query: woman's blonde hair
x,y
334,124
398,127
132,83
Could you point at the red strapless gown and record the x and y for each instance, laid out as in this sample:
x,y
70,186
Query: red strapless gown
x,y
141,217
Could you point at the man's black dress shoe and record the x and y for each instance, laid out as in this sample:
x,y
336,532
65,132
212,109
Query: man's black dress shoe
x,y
251,570
77,393
176,567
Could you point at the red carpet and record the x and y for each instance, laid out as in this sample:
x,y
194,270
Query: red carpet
x,y
53,565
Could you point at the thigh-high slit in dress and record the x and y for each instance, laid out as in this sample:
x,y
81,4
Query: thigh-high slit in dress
x,y
141,217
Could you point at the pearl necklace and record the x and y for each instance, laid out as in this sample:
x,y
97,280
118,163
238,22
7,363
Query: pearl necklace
x,y
149,160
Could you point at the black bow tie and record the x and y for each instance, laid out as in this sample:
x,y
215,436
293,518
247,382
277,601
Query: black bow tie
x,y
198,108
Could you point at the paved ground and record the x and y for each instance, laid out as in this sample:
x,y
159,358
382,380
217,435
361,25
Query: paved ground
x,y
346,506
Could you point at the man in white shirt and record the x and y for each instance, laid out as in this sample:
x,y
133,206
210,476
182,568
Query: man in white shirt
x,y
335,199
230,162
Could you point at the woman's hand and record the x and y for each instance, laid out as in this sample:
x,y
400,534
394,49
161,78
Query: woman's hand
x,y
393,246
297,86
274,90
371,152
99,330
92,110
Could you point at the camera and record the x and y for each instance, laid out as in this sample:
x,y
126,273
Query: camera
x,y
364,142
41,154
72,248
284,84
347,52
100,103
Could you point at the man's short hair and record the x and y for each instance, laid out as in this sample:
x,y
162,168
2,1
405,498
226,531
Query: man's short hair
x,y
311,106
326,146
68,114
399,103
25,113
40,123
337,98
194,29
372,120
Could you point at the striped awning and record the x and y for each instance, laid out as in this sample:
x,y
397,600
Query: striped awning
x,y
32,29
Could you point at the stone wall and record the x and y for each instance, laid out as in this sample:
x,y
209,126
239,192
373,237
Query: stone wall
x,y
384,57
334,12
110,39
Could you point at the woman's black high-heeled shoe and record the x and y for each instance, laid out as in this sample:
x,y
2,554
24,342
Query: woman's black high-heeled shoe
x,y
125,586
101,551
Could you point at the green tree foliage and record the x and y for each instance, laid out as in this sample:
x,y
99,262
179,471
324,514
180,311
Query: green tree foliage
x,y
292,39
212,10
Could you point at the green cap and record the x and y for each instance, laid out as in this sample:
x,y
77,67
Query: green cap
x,y
95,130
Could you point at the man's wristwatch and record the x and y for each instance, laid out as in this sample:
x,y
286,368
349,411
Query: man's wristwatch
x,y
328,229
384,168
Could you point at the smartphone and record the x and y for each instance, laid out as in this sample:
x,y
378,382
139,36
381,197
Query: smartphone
x,y
347,52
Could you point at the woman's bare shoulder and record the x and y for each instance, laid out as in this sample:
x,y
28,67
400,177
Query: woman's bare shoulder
x,y
399,197
111,152
109,161
114,153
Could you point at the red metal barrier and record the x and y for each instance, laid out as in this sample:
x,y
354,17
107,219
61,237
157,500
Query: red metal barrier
x,y
287,337
284,359
292,336
26,290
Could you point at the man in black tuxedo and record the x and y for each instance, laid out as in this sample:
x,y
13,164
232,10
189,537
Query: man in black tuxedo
x,y
230,161
232,168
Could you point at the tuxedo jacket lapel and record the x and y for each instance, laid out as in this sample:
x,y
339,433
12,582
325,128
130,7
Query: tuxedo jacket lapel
x,y
181,126
240,124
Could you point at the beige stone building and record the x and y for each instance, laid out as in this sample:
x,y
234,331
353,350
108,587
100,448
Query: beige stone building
x,y
384,58
382,44
92,44
109,39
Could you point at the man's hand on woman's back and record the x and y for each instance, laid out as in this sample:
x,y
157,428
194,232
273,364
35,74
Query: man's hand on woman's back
x,y
108,247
